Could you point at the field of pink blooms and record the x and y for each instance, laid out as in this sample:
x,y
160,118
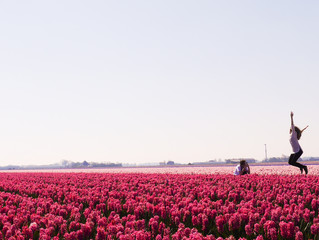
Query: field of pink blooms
x,y
160,203
282,169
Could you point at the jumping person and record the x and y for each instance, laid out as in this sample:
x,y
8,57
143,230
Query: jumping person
x,y
295,135
242,169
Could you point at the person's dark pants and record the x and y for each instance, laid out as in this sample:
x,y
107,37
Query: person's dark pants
x,y
294,158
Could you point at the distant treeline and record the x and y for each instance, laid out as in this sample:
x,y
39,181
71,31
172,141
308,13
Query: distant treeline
x,y
85,164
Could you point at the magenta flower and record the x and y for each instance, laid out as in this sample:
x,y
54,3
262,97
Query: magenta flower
x,y
195,221
234,222
299,236
33,226
248,230
101,234
272,233
287,229
314,229
158,237
220,221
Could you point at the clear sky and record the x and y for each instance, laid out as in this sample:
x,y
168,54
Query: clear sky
x,y
149,81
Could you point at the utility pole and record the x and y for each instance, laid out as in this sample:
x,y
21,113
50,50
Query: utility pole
x,y
266,152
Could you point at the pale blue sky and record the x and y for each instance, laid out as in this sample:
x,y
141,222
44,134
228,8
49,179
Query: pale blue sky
x,y
150,81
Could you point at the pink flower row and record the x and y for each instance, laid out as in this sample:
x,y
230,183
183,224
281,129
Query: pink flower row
x,y
158,206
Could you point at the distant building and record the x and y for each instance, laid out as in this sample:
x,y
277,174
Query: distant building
x,y
85,164
277,159
166,163
250,160
212,161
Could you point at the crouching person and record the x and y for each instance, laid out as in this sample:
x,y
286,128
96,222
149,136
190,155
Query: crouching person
x,y
243,168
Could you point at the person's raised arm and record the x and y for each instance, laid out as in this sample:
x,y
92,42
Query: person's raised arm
x,y
304,128
292,120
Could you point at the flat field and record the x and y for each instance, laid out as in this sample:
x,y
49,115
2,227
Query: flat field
x,y
260,169
275,202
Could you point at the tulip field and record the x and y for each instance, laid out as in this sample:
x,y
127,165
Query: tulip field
x,y
274,202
